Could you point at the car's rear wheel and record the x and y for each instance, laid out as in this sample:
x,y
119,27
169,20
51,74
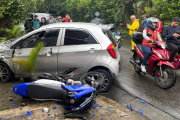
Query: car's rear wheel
x,y
5,73
107,80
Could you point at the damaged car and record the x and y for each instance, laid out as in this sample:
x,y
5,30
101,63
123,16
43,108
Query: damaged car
x,y
82,46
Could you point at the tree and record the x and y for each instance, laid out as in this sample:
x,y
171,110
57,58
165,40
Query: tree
x,y
11,34
164,9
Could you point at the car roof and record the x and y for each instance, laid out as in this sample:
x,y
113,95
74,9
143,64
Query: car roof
x,y
78,25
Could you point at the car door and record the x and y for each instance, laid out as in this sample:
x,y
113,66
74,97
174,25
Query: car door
x,y
78,49
46,60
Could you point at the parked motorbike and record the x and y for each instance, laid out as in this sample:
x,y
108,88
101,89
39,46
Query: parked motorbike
x,y
118,37
158,65
176,59
79,97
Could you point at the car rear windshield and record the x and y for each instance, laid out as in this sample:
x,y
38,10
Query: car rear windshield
x,y
111,37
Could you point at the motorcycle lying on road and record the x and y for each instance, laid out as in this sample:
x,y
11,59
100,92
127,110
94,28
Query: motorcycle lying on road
x,y
158,65
77,96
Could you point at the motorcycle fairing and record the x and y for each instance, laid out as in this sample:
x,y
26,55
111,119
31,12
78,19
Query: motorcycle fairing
x,y
21,89
81,89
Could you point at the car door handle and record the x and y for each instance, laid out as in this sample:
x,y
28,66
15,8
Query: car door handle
x,y
92,50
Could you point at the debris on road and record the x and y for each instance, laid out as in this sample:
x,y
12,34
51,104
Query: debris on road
x,y
46,110
142,101
28,113
141,112
130,107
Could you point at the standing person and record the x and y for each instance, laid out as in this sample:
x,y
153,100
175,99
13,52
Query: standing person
x,y
133,28
146,44
159,26
59,19
67,18
144,22
171,36
43,22
97,20
51,19
35,23
28,24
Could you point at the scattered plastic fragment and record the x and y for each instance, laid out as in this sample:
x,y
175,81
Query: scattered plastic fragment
x,y
54,108
123,115
30,106
142,101
28,113
49,114
95,106
13,101
16,107
0,118
141,112
93,115
129,107
13,104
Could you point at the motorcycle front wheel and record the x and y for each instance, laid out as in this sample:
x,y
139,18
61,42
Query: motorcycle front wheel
x,y
96,77
167,79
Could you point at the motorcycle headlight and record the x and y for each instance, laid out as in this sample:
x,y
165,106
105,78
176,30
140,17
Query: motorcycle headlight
x,y
163,46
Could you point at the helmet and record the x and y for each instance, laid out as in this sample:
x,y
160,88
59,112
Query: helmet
x,y
150,21
97,15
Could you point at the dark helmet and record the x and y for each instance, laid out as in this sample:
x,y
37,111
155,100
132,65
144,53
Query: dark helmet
x,y
97,15
150,21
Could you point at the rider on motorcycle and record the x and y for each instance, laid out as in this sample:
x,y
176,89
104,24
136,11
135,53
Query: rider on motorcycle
x,y
147,41
97,20
171,36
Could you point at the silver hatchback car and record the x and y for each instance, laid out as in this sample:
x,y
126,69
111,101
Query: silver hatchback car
x,y
82,46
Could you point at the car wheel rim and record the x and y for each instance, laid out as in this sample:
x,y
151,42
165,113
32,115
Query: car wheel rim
x,y
3,73
106,82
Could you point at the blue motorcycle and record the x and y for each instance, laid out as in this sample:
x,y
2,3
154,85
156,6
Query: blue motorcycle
x,y
79,96
118,37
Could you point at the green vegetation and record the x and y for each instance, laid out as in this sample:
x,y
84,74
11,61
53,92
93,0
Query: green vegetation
x,y
29,63
112,11
11,34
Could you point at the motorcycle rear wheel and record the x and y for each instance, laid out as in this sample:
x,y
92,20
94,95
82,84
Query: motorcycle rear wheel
x,y
167,80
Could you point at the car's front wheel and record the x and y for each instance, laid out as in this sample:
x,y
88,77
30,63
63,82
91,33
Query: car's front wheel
x,y
107,80
5,73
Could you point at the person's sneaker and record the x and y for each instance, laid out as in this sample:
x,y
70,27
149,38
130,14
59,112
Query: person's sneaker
x,y
143,68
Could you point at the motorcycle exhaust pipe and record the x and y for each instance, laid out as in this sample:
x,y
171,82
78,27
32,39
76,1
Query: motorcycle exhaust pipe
x,y
132,62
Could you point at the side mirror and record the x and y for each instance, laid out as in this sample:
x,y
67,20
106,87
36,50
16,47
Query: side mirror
x,y
149,34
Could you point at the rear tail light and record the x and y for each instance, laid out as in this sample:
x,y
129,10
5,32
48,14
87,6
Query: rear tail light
x,y
111,51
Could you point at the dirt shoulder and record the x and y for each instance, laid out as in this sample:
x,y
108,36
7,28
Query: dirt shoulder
x,y
107,110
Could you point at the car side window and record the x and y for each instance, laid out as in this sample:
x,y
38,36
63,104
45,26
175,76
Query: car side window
x,y
78,37
48,37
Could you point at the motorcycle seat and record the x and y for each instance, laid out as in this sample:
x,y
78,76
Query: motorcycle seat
x,y
80,89
140,48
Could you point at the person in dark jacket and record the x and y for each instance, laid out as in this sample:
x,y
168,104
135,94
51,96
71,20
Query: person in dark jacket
x,y
43,21
171,36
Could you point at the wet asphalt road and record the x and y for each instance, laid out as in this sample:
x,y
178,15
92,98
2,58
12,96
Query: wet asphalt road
x,y
144,87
